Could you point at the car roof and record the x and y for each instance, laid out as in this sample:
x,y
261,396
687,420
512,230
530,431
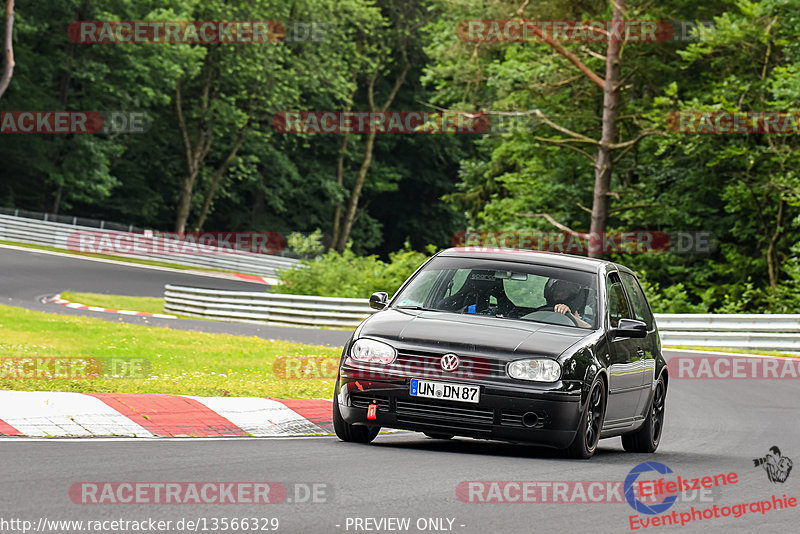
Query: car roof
x,y
534,257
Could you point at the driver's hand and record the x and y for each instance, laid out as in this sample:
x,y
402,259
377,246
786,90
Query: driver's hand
x,y
562,308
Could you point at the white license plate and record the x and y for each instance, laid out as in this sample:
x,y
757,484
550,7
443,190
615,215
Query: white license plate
x,y
444,391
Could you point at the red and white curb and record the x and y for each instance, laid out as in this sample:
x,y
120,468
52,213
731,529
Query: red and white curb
x,y
62,414
76,306
257,279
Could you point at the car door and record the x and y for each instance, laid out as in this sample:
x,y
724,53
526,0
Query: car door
x,y
624,372
647,347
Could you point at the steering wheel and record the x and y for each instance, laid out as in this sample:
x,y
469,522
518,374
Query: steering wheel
x,y
552,309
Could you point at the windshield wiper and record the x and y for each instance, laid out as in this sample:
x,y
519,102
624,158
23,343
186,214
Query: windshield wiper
x,y
420,308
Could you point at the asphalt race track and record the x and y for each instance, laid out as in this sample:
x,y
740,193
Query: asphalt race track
x,y
27,276
712,427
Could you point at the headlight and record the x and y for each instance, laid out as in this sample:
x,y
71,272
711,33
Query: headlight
x,y
539,370
371,351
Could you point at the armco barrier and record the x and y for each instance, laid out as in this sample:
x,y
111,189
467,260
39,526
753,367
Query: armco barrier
x,y
56,234
741,331
263,307
763,332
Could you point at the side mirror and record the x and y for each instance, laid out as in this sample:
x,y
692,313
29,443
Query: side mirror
x,y
630,328
379,300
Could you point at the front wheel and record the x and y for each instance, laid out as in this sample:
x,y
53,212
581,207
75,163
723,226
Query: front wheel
x,y
585,442
347,432
647,438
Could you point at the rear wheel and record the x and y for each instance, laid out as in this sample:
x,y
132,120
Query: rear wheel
x,y
647,438
585,442
347,432
434,435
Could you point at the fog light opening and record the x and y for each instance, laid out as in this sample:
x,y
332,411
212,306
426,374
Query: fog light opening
x,y
530,419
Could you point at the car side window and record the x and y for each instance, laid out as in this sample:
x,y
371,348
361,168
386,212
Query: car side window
x,y
617,303
641,310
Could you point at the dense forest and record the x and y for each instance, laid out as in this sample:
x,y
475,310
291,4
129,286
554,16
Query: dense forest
x,y
582,136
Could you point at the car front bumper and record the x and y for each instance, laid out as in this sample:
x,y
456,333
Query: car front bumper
x,y
500,414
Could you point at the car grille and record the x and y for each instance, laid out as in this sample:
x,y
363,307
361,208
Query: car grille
x,y
428,365
438,414
363,400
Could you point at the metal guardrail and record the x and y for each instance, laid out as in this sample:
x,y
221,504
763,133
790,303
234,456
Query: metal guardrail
x,y
739,331
763,332
57,234
263,307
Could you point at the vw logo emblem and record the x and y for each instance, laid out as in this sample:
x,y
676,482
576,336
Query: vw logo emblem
x,y
449,362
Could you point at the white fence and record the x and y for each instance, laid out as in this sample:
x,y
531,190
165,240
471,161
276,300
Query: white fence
x,y
56,234
763,332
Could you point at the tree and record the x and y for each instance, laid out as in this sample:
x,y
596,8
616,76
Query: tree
x,y
547,77
8,48
402,20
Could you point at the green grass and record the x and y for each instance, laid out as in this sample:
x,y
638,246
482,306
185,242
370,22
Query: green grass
x,y
121,258
737,351
188,363
117,302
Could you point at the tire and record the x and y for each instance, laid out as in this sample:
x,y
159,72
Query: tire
x,y
347,432
592,417
647,438
434,435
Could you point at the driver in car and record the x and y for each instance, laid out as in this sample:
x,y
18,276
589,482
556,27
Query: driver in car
x,y
562,292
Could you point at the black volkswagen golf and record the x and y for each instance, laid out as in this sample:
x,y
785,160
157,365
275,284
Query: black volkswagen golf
x,y
532,347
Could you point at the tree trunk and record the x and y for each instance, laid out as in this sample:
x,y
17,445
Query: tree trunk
x,y
63,98
194,154
772,260
8,48
352,206
603,162
337,215
350,215
212,191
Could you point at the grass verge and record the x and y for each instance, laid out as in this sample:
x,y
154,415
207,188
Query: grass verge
x,y
176,362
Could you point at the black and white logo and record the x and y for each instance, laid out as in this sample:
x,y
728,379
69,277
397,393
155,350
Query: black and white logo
x,y
777,467
449,362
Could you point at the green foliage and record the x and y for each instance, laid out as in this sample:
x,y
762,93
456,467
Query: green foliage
x,y
348,275
306,245
745,189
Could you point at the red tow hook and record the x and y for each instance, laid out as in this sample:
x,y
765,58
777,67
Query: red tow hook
x,y
372,411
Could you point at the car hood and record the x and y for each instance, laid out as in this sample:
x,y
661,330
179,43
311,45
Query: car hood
x,y
443,331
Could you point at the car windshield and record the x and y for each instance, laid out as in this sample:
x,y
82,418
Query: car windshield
x,y
504,290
